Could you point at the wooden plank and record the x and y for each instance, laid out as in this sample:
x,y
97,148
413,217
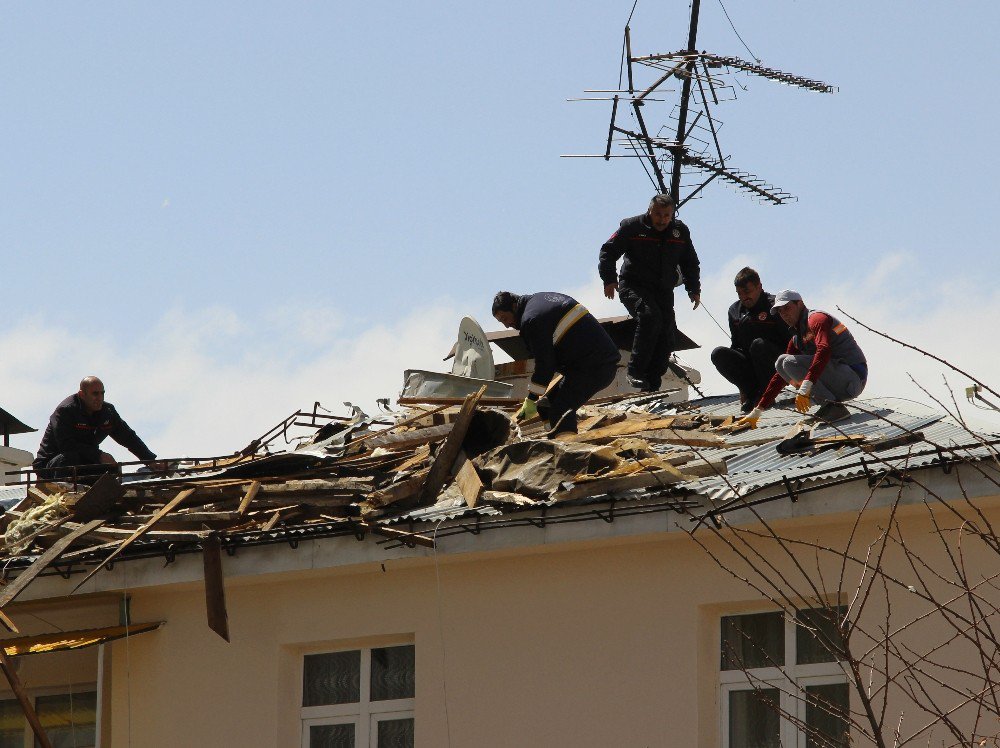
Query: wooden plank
x,y
468,479
892,443
25,578
410,439
23,699
404,422
590,423
250,494
403,489
177,501
406,537
215,588
98,499
623,428
448,452
271,522
623,483
508,401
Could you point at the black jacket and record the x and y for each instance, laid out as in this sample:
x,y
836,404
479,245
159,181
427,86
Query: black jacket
x,y
651,257
746,325
77,434
561,334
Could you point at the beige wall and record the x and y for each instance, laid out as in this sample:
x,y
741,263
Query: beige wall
x,y
610,643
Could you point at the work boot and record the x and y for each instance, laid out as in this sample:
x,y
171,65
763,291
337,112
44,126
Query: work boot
x,y
832,411
638,382
652,385
565,425
746,406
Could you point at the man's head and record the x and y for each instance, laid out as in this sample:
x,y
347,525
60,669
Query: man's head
x,y
748,287
661,211
788,305
91,393
504,309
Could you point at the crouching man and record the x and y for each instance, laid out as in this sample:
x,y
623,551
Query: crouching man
x,y
76,429
823,361
563,337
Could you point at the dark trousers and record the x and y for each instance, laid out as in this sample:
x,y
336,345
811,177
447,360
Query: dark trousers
x,y
62,468
749,372
578,385
654,331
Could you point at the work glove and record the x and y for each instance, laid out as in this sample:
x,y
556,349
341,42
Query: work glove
x,y
750,419
802,399
528,410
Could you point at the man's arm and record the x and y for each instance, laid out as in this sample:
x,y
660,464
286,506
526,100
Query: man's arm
x,y
776,385
690,267
611,251
124,435
820,326
539,342
733,324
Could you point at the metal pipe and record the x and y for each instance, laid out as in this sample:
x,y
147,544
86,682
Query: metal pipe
x,y
675,181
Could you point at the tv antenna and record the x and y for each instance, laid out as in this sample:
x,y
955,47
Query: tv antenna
x,y
684,148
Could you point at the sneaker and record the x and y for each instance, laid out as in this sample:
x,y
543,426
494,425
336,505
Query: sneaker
x,y
831,412
638,382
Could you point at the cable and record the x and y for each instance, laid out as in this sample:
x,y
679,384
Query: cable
x,y
444,662
714,319
755,57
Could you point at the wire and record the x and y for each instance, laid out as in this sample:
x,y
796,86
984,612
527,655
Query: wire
x,y
738,33
714,319
444,662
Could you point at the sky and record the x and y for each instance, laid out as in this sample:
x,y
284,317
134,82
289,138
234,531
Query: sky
x,y
230,211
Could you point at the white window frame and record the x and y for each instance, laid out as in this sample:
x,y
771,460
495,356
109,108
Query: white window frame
x,y
364,714
791,681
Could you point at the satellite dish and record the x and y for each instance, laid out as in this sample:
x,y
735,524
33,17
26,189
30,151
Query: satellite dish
x,y
473,357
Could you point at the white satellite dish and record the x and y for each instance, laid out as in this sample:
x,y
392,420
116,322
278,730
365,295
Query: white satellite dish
x,y
473,357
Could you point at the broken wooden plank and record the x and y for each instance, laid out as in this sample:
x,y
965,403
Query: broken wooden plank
x,y
580,489
623,428
448,452
467,479
269,525
98,499
893,442
25,578
403,535
414,438
23,699
508,401
250,494
404,489
177,501
215,589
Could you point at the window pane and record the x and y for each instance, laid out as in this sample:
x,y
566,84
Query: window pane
x,y
392,673
753,719
815,633
69,719
12,725
826,716
331,678
331,736
395,733
756,640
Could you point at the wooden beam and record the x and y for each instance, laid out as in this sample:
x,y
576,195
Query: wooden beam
x,y
215,589
175,502
98,499
250,494
25,578
448,452
622,483
410,439
468,479
24,700
508,401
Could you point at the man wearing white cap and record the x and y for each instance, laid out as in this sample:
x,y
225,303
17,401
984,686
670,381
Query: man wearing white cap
x,y
823,361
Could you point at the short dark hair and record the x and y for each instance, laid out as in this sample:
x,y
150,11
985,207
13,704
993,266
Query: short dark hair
x,y
745,276
664,198
504,301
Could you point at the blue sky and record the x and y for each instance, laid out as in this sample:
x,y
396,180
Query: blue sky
x,y
232,210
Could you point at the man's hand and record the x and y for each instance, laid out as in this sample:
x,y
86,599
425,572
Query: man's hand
x,y
695,299
528,410
158,466
107,459
750,419
609,290
802,397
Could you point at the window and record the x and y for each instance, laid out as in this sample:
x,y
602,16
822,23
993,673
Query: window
x,y
777,672
359,698
69,720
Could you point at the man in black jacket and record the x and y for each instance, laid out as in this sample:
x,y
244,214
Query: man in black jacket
x,y
758,338
76,429
655,245
563,337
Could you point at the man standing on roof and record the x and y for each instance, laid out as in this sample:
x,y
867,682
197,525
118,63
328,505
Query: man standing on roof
x,y
563,337
823,361
76,429
757,339
655,244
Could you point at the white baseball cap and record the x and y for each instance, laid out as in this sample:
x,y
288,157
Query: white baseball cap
x,y
785,297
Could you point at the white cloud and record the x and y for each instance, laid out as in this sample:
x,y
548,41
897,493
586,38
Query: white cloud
x,y
205,381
